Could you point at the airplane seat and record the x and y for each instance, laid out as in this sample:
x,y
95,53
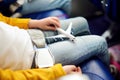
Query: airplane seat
x,y
111,8
112,15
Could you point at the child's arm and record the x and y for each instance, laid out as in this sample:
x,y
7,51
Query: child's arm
x,y
51,73
20,22
33,74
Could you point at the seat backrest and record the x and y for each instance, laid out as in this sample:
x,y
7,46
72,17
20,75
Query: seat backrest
x,y
112,9
97,3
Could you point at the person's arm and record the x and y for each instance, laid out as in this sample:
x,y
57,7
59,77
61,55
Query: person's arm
x,y
33,74
49,23
51,73
19,22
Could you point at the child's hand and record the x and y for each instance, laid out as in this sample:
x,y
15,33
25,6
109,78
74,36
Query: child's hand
x,y
49,23
71,69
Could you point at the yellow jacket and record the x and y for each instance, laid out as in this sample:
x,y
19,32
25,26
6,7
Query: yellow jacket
x,y
31,74
21,23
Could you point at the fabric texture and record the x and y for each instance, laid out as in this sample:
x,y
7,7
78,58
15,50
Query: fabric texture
x,y
16,49
21,23
37,37
33,74
41,5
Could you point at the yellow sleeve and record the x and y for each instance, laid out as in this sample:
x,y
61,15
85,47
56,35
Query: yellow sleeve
x,y
19,22
33,74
